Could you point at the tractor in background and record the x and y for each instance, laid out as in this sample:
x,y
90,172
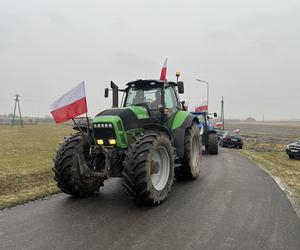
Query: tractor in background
x,y
209,138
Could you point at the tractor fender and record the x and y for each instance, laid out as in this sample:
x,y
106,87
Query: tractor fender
x,y
211,129
158,127
179,134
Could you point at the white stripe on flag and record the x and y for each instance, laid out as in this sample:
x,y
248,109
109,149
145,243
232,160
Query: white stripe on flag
x,y
71,96
165,63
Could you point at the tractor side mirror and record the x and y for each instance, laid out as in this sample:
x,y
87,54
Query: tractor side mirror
x,y
215,114
106,91
180,87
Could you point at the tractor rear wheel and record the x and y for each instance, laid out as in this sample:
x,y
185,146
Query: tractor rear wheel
x,y
191,163
212,147
149,168
66,168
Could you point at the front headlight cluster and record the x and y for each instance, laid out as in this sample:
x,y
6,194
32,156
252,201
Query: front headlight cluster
x,y
110,141
102,125
288,147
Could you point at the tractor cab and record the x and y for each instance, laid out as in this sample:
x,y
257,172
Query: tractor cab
x,y
159,99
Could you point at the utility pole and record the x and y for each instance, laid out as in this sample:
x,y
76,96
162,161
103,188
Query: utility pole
x,y
17,103
222,113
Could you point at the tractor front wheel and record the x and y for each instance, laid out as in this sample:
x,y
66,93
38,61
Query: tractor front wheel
x,y
66,168
191,163
149,168
212,147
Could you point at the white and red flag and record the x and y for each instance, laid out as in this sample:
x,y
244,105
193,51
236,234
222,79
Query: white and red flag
x,y
202,108
163,73
218,124
70,105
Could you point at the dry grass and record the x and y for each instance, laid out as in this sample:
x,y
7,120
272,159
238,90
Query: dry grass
x,y
26,161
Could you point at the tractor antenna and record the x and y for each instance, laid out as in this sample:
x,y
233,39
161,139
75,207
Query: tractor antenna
x,y
17,103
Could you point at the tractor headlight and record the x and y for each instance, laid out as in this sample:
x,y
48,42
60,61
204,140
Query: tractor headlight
x,y
100,142
112,141
288,147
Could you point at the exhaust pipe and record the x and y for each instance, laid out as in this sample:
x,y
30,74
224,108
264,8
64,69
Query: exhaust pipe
x,y
115,91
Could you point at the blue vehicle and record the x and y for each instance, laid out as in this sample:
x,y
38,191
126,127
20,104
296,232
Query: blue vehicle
x,y
209,137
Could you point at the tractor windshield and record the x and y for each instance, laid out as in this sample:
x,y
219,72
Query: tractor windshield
x,y
201,119
150,96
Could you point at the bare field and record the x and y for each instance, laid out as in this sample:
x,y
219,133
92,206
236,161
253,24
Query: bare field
x,y
265,144
26,161
277,132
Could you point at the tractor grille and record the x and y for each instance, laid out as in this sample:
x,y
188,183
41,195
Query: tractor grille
x,y
104,131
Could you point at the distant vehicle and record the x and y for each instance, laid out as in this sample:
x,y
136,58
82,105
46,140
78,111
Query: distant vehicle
x,y
230,139
209,137
220,133
293,149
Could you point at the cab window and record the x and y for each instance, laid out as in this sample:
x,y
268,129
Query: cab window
x,y
170,99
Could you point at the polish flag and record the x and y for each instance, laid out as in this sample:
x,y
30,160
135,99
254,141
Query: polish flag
x,y
218,124
202,108
70,105
163,73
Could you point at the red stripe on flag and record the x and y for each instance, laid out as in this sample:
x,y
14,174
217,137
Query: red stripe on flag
x,y
201,108
70,111
163,74
218,124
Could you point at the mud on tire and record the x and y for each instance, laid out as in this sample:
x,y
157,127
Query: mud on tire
x,y
191,163
149,168
66,169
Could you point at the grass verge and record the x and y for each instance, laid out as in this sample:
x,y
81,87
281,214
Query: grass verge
x,y
26,161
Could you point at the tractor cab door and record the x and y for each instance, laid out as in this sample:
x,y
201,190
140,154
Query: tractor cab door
x,y
172,104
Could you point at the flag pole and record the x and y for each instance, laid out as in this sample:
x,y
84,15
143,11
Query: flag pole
x,y
88,127
87,124
83,134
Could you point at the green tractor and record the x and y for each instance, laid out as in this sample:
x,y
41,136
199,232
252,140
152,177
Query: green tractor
x,y
148,141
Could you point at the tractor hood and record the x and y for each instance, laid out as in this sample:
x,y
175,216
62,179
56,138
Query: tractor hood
x,y
132,117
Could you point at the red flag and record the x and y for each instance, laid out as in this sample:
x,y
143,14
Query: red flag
x,y
202,108
163,73
70,105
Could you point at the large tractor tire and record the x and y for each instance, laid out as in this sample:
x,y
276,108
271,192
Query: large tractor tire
x,y
149,168
212,146
191,163
66,168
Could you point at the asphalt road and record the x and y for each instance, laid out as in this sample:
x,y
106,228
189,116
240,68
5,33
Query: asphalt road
x,y
233,205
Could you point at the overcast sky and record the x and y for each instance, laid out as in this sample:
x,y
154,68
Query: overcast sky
x,y
248,51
